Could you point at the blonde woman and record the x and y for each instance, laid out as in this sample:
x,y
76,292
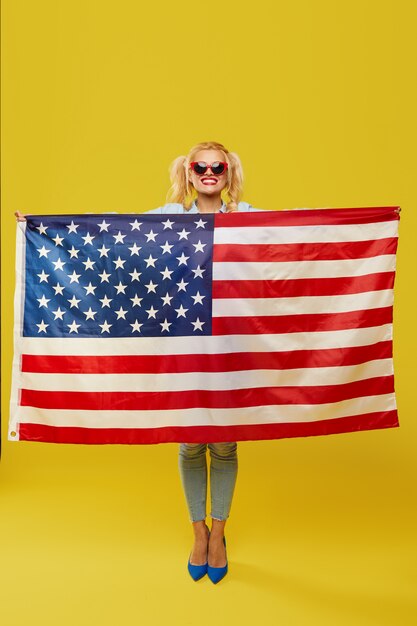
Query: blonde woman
x,y
198,181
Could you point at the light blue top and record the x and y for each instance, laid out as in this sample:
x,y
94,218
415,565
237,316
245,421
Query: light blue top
x,y
175,207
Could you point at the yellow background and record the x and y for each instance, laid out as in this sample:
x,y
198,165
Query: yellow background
x,y
319,100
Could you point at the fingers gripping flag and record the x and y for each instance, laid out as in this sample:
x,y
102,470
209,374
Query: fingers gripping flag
x,y
151,328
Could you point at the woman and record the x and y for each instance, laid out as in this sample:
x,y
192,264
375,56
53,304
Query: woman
x,y
198,181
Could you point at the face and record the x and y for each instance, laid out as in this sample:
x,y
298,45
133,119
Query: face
x,y
208,183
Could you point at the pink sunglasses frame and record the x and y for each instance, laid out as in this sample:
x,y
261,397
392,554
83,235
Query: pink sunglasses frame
x,y
208,165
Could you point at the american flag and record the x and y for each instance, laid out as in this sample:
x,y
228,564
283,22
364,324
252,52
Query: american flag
x,y
151,328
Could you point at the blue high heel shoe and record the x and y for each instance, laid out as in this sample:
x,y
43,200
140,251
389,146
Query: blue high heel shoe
x,y
217,573
198,571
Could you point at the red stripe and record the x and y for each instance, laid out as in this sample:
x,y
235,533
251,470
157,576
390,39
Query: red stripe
x,y
198,434
304,251
302,286
197,398
178,363
306,217
311,322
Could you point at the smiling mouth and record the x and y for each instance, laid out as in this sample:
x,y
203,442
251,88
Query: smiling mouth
x,y
209,181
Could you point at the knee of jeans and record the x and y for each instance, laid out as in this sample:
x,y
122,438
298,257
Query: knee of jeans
x,y
191,450
223,450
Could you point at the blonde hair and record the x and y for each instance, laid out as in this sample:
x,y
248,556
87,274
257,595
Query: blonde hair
x,y
182,190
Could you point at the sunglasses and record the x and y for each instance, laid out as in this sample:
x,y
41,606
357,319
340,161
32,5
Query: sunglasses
x,y
201,167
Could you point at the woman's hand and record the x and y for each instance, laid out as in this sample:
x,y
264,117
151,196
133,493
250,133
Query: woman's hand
x,y
20,217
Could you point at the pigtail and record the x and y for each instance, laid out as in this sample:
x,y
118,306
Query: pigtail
x,y
181,188
235,181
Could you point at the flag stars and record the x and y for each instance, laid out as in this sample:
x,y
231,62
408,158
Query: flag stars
x,y
103,251
104,226
182,260
135,275
59,314
166,248
105,328
89,315
136,327
72,228
43,252
150,236
58,265
181,311
43,278
197,324
150,261
73,327
168,224
105,301
119,237
119,263
136,301
89,264
42,326
151,287
199,247
74,277
43,301
104,277
198,299
165,325
183,234
121,313
166,274
59,289
151,312
135,249
90,289
73,252
166,299
136,225
200,224
74,302
88,239
198,272
120,288
182,285
42,231
58,240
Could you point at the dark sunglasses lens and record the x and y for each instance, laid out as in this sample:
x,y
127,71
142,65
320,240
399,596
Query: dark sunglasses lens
x,y
200,167
217,168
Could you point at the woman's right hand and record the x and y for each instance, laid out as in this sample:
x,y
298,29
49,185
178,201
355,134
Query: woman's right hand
x,y
20,217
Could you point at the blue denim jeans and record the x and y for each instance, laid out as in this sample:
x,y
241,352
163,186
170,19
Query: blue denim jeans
x,y
223,472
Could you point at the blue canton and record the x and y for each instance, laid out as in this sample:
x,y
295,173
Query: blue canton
x,y
118,275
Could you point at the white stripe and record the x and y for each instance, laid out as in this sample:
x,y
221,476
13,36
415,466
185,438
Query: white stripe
x,y
207,380
127,346
318,233
303,269
236,307
290,413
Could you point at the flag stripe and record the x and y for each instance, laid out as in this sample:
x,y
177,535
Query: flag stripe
x,y
306,217
241,379
303,269
215,416
282,306
209,345
267,235
192,398
197,433
301,323
222,362
304,251
302,286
